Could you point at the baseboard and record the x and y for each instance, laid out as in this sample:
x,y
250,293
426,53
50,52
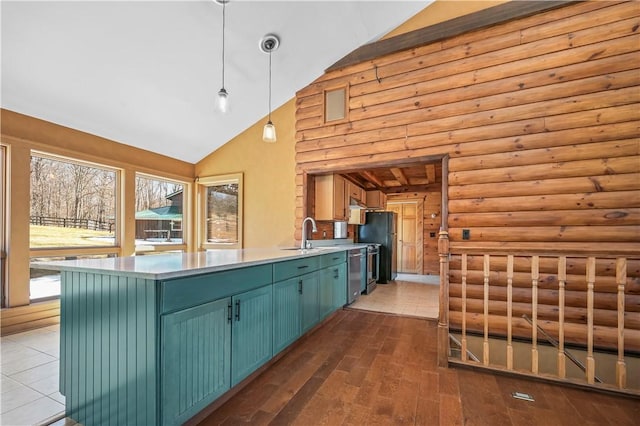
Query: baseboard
x,y
29,317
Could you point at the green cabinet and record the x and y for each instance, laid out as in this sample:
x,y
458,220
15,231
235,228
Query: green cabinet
x,y
146,351
305,292
195,358
339,285
296,308
251,342
203,346
325,292
286,313
310,301
209,348
333,289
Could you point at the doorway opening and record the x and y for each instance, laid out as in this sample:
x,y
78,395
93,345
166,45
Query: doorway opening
x,y
416,190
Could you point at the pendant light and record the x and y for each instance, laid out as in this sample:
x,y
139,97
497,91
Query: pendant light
x,y
268,44
222,102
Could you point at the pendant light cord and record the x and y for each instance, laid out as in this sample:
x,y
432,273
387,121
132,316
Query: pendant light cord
x,y
224,6
269,85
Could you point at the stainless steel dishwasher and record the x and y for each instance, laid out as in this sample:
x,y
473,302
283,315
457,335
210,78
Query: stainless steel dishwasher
x,y
355,275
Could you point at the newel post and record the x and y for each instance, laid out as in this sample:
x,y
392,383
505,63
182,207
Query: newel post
x,y
443,316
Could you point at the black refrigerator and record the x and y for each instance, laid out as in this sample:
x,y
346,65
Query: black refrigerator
x,y
380,227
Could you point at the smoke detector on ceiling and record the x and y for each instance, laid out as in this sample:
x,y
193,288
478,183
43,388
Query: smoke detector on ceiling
x,y
269,43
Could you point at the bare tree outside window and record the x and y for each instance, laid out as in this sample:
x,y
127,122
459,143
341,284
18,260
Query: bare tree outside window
x,y
72,204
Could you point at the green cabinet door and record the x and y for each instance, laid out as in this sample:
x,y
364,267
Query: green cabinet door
x,y
251,341
339,283
286,312
325,291
310,301
195,359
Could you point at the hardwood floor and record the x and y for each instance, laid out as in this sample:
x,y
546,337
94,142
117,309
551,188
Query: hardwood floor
x,y
363,368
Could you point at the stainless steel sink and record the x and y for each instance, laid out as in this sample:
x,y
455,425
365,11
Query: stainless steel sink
x,y
310,249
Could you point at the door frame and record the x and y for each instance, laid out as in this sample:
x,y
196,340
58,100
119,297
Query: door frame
x,y
419,202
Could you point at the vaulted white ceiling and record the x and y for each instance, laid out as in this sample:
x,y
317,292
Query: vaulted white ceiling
x,y
146,73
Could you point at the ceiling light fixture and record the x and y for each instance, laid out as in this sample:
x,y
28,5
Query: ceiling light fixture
x,y
268,44
222,103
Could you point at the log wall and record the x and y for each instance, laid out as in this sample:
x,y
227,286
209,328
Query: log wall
x,y
540,120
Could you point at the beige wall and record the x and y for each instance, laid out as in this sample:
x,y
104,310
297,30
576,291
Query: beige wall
x,y
269,178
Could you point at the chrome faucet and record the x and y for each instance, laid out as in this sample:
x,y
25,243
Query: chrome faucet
x,y
314,228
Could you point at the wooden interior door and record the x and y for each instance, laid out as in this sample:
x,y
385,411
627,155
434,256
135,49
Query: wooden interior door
x,y
406,236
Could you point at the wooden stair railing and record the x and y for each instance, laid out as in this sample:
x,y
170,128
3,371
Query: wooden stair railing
x,y
482,319
565,352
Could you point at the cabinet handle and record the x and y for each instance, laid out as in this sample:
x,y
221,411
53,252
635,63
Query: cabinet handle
x,y
336,274
303,266
229,312
237,310
300,286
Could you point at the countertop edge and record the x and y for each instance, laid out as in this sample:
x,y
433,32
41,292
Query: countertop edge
x,y
86,265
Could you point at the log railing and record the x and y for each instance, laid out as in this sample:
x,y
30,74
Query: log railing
x,y
500,300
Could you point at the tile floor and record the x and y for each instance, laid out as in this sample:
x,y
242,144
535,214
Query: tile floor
x,y
29,366
410,295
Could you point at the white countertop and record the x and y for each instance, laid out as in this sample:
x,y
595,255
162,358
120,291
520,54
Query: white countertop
x,y
175,265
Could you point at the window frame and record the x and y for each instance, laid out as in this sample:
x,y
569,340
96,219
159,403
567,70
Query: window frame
x,y
203,183
98,249
4,225
185,224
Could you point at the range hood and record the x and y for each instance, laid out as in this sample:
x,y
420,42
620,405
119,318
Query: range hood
x,y
355,204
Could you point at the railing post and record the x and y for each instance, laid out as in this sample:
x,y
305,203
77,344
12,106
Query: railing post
x,y
621,280
535,276
509,311
443,316
562,279
463,346
591,278
485,343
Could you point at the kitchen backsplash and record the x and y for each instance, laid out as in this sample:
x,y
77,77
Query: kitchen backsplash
x,y
325,231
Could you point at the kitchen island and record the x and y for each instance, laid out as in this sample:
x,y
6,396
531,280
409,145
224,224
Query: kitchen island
x,y
156,339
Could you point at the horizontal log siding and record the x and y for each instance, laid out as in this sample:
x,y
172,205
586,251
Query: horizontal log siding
x,y
540,118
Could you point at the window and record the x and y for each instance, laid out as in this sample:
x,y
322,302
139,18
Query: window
x,y
73,216
159,214
221,206
73,204
335,104
3,223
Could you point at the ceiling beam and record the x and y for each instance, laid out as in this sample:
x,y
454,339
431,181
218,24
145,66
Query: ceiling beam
x,y
372,178
400,176
434,187
443,30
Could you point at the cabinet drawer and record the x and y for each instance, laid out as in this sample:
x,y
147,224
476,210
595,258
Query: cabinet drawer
x,y
186,292
294,268
333,259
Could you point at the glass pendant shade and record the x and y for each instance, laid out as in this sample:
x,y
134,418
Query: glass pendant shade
x,y
222,103
269,132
